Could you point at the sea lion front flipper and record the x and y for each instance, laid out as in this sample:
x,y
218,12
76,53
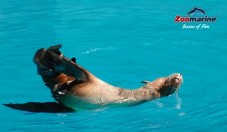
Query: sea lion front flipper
x,y
145,82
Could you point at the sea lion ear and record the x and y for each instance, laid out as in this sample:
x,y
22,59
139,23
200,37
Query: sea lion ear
x,y
55,49
145,82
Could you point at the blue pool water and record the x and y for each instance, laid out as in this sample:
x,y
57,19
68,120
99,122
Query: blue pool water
x,y
123,43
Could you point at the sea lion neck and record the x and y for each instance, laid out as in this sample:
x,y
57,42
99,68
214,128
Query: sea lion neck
x,y
139,95
147,92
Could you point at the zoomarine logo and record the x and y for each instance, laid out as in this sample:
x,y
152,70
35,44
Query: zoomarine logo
x,y
196,15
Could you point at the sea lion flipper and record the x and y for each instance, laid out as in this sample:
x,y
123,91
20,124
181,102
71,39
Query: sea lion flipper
x,y
73,59
52,62
145,82
73,69
67,66
55,49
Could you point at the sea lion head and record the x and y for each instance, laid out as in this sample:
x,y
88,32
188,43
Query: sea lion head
x,y
167,85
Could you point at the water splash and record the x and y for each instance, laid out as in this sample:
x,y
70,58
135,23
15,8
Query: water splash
x,y
178,104
93,50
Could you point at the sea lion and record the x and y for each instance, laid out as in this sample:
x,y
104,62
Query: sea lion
x,y
77,88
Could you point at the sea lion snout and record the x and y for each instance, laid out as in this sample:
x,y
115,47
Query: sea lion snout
x,y
174,80
168,85
177,78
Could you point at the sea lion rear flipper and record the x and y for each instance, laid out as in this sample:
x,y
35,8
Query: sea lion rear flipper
x,y
67,66
73,59
55,49
73,69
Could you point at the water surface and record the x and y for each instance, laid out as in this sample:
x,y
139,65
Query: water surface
x,y
123,43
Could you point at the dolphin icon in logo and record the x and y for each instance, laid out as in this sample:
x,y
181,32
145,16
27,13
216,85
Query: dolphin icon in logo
x,y
197,10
